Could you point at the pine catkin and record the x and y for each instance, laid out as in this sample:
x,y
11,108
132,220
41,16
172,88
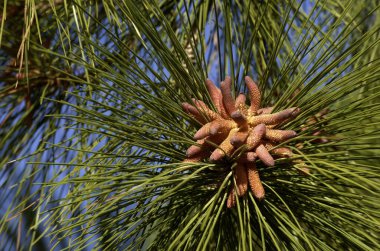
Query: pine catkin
x,y
255,182
237,127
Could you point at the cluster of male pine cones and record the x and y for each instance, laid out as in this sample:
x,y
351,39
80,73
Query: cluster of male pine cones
x,y
234,128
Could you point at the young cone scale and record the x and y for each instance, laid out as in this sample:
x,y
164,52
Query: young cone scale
x,y
236,124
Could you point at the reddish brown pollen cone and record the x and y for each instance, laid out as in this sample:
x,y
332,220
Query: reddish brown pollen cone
x,y
255,182
241,179
254,94
255,136
216,97
231,200
194,112
264,155
279,135
275,118
215,94
265,110
240,100
281,151
228,101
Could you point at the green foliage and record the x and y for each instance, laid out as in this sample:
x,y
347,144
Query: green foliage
x,y
93,134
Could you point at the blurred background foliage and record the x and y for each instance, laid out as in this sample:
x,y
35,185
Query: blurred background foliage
x,y
92,134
